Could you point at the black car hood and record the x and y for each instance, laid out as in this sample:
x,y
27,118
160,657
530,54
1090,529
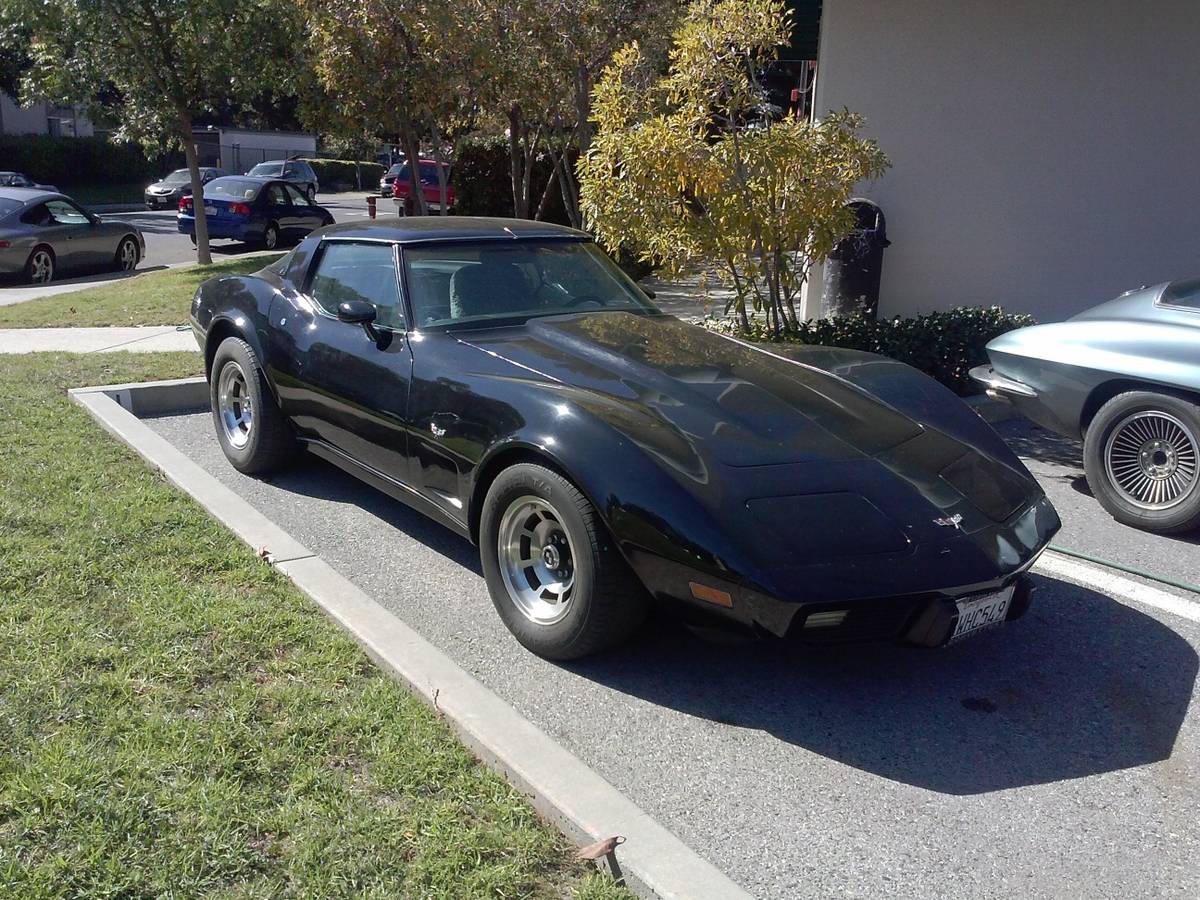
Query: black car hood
x,y
750,407
692,395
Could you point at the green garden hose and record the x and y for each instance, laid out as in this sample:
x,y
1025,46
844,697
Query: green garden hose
x,y
1131,570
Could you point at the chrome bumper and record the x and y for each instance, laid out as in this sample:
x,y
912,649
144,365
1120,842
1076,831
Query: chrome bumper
x,y
999,386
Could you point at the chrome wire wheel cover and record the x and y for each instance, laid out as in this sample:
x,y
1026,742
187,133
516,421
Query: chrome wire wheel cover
x,y
234,405
127,255
536,560
41,267
1151,459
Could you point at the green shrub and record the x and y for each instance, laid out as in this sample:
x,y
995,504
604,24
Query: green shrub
x,y
76,160
942,344
344,174
483,181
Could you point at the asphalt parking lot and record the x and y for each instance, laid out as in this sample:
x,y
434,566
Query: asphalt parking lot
x,y
1057,757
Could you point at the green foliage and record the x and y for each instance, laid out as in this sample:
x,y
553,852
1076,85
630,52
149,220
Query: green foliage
x,y
345,174
691,167
483,181
942,344
65,161
180,721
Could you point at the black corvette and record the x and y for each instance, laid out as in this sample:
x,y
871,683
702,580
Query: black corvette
x,y
505,378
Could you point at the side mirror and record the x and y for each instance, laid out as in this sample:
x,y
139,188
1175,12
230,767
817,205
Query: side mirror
x,y
359,312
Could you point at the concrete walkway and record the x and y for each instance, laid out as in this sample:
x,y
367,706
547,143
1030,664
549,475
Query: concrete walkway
x,y
151,339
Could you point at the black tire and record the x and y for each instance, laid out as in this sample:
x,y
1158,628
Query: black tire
x,y
194,241
1137,439
267,443
270,238
122,262
41,266
311,193
605,604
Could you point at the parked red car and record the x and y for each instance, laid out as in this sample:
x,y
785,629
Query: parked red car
x,y
402,186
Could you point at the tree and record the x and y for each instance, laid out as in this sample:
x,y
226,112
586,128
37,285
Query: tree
x,y
693,166
169,61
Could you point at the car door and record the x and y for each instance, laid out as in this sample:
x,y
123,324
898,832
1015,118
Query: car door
x,y
308,216
78,243
338,384
279,209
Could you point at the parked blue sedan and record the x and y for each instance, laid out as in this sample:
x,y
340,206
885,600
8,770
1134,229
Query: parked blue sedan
x,y
261,211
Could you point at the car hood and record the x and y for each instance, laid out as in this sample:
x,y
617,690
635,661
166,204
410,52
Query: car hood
x,y
696,397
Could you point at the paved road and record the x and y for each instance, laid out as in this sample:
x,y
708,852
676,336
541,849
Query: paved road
x,y
167,248
1055,758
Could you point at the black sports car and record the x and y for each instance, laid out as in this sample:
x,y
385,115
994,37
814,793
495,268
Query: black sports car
x,y
507,379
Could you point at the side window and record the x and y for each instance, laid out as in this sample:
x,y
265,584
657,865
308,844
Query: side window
x,y
428,173
38,216
349,271
294,195
276,195
65,213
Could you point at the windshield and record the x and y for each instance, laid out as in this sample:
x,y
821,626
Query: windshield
x,y
476,282
267,170
1184,293
232,188
179,176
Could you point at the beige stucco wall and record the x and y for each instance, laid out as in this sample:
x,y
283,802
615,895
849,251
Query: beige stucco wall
x,y
1046,155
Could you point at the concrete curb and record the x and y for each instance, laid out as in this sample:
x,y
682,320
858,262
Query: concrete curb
x,y
587,808
102,208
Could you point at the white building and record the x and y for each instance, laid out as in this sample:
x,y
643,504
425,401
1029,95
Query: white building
x,y
237,150
42,118
1043,154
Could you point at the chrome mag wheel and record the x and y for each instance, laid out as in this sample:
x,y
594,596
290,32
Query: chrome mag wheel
x,y
41,267
127,255
1151,459
234,405
536,560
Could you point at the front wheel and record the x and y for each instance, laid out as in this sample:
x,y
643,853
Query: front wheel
x,y
311,193
252,431
126,258
1142,458
555,577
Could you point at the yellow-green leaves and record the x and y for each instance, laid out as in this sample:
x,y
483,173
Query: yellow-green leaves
x,y
691,166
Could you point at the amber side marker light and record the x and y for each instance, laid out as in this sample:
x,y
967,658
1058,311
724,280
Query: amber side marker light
x,y
710,595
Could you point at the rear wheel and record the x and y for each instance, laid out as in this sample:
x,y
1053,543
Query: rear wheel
x,y
1142,457
252,431
39,268
270,238
555,577
126,258
311,193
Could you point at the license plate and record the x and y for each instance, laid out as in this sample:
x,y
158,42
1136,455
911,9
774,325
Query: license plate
x,y
976,614
210,210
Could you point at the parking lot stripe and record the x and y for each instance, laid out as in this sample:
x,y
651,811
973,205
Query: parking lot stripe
x,y
1117,586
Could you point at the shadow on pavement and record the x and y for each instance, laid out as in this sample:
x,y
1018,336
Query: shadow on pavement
x,y
1082,685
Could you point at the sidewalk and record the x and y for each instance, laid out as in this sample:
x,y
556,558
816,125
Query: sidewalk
x,y
150,339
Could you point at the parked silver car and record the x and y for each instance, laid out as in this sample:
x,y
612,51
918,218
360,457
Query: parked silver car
x,y
1125,377
293,171
43,234
168,191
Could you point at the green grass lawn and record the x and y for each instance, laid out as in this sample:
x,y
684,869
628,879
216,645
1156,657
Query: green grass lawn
x,y
153,298
177,720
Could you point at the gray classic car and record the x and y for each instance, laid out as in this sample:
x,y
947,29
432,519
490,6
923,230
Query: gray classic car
x,y
1125,377
43,234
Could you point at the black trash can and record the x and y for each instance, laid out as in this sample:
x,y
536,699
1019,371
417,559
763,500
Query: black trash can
x,y
852,272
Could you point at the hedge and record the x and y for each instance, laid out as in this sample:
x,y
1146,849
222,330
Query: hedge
x,y
944,344
76,160
343,174
483,181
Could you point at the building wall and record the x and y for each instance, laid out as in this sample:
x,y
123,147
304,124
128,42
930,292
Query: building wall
x,y
17,120
1044,154
241,150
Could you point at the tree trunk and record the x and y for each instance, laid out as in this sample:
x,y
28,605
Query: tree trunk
x,y
570,189
203,253
541,210
412,150
515,158
439,158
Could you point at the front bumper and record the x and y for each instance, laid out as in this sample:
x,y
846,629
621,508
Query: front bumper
x,y
910,597
1000,386
161,201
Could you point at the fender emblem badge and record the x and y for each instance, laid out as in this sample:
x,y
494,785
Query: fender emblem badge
x,y
953,521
